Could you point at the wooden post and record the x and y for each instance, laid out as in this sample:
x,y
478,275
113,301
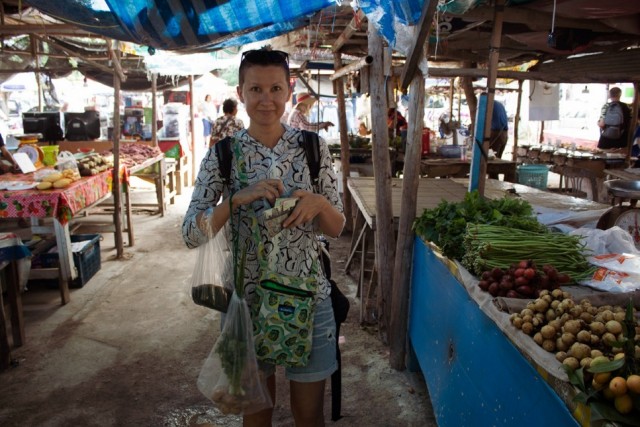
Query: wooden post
x,y
154,109
634,119
344,140
469,94
516,123
385,239
404,247
117,205
451,80
192,130
34,52
494,54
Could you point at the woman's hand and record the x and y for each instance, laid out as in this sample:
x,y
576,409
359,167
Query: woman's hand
x,y
309,205
269,189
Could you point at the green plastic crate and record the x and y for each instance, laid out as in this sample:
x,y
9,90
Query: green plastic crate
x,y
533,175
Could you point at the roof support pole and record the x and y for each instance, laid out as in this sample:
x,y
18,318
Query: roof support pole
x,y
384,229
338,85
634,119
117,205
408,211
494,54
154,109
34,53
516,124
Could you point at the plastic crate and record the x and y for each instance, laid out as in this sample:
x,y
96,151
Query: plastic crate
x,y
533,175
87,260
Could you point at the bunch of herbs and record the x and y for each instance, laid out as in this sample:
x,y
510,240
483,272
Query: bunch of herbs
x,y
446,224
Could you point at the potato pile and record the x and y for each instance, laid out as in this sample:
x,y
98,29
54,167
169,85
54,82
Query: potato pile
x,y
583,336
575,332
93,164
57,179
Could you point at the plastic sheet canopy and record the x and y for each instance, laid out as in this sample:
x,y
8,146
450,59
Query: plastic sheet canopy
x,y
184,25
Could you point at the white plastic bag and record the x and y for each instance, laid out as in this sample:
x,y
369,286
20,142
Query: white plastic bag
x,y
616,273
212,280
230,377
613,240
68,165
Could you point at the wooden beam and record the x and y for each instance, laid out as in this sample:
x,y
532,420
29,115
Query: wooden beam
x,y
416,51
117,205
567,76
46,29
352,27
74,54
116,61
344,141
408,214
354,66
494,52
384,232
533,19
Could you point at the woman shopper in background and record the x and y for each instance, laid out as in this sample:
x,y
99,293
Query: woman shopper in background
x,y
298,116
276,167
228,124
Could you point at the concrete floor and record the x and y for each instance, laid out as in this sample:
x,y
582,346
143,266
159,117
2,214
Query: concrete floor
x,y
127,349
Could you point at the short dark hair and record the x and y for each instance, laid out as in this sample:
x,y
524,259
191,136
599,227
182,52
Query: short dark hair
x,y
615,92
229,105
264,56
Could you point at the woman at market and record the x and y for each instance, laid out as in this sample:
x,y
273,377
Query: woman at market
x,y
227,124
298,116
275,166
7,162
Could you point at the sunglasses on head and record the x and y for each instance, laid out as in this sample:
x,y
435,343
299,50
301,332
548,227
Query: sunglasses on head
x,y
264,56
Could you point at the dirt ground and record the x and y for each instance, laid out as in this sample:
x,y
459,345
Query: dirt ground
x,y
127,349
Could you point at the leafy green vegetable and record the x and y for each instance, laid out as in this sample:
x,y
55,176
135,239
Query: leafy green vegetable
x,y
446,224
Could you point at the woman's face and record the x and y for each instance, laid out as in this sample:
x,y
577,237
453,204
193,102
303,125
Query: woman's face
x,y
264,93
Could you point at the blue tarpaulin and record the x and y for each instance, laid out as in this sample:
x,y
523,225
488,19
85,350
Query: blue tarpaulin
x,y
185,25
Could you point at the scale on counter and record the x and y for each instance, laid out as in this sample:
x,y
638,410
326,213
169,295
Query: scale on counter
x,y
626,217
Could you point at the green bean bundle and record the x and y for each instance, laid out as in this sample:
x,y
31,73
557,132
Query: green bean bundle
x,y
489,246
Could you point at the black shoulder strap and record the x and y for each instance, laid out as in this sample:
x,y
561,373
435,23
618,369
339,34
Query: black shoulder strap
x,y
223,152
311,145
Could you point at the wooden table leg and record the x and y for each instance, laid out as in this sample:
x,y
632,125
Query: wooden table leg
x,y
68,270
5,350
15,303
356,238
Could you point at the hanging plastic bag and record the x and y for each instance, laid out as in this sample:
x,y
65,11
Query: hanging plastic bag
x,y
212,282
230,377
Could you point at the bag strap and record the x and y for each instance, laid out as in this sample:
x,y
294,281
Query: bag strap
x,y
225,156
311,145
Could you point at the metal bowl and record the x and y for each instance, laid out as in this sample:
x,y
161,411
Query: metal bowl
x,y
623,188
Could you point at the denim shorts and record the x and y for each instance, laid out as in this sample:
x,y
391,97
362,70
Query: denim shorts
x,y
323,360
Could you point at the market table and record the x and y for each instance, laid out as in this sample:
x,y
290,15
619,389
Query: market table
x,y
448,167
12,252
431,191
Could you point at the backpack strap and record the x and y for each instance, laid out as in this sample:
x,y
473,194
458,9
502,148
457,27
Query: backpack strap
x,y
311,145
223,152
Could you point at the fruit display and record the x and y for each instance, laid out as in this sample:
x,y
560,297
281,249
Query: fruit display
x,y
521,280
93,164
57,179
599,347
